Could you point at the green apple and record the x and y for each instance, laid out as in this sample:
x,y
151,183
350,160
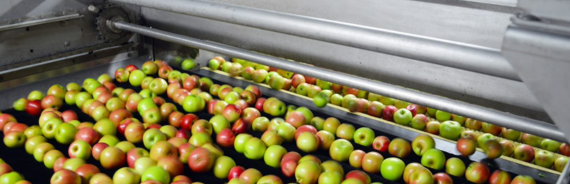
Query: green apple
x,y
193,103
222,167
65,133
286,131
36,95
331,125
11,178
50,127
240,141
127,175
155,173
152,136
273,155
105,127
403,117
434,159
188,64
219,123
307,113
450,130
214,64
125,146
340,150
307,142
364,136
455,167
80,149
20,104
33,131
144,163
345,131
41,149
254,149
307,172
199,139
332,166
318,123
483,138
392,169
32,142
50,157
110,140
73,163
136,77
442,115
422,144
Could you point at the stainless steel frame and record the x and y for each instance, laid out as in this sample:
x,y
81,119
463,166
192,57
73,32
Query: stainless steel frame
x,y
461,108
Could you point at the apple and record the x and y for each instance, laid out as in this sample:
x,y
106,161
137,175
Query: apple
x,y
493,149
565,149
219,123
200,160
186,122
273,155
340,150
544,158
345,131
523,179
193,103
508,147
222,167
171,164
235,172
155,173
32,142
311,158
162,149
134,132
73,163
442,115
308,142
492,129
470,134
32,131
65,133
231,113
15,139
381,144
500,177
432,127
112,158
33,107
240,142
531,140
127,175
325,139
400,148
421,176
455,167
419,122
80,149
422,143
483,138
134,154
270,137
392,169
331,125
450,130
466,146
254,149
560,163
524,152
259,104
97,149
403,117
225,138
250,176
550,145
65,177
152,136
288,167
477,172
433,158
371,162
442,178
307,172
411,168
86,172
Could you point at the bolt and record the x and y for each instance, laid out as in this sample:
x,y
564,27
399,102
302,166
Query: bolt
x,y
93,9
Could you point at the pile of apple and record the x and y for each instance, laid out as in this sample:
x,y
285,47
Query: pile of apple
x,y
449,126
148,152
8,175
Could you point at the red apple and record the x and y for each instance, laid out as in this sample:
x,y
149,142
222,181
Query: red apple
x,y
235,172
381,144
240,126
442,178
388,112
305,128
200,160
359,175
34,107
226,138
88,135
500,177
187,120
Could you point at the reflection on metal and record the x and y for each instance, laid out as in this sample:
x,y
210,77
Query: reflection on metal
x,y
39,22
443,52
465,109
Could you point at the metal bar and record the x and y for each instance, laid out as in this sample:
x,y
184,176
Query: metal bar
x,y
443,52
39,22
469,110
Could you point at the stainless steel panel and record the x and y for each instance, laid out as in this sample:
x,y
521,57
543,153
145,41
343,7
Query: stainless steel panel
x,y
484,28
499,118
437,51
543,61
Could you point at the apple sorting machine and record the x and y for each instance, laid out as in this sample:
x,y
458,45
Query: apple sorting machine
x,y
505,62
